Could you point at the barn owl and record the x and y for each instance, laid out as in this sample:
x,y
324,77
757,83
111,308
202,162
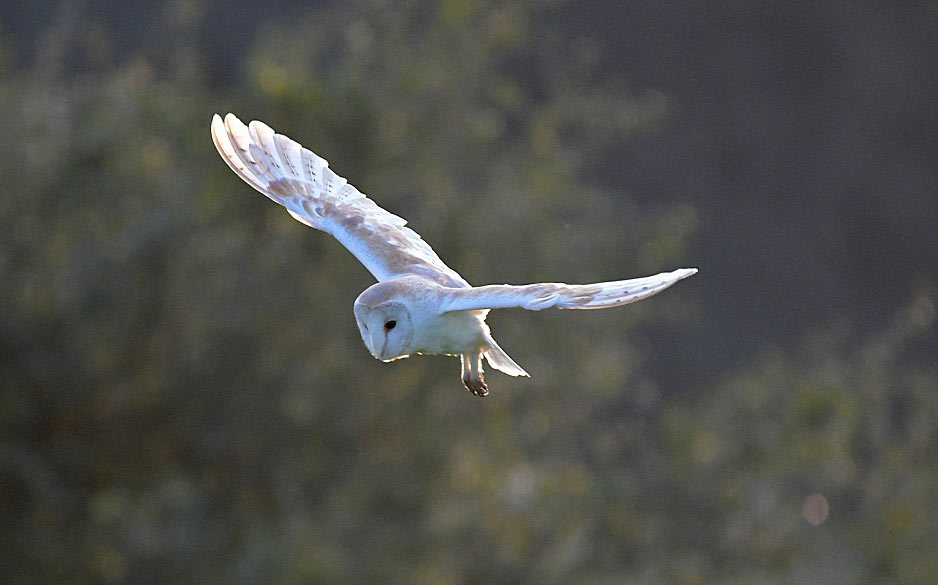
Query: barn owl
x,y
419,305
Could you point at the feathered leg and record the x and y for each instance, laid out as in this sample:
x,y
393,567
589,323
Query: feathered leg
x,y
472,375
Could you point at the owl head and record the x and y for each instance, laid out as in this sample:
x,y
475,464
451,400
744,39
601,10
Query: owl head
x,y
385,325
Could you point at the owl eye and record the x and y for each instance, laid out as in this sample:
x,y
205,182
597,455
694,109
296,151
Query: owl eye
x,y
390,325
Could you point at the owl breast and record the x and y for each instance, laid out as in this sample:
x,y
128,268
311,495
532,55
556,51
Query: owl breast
x,y
452,333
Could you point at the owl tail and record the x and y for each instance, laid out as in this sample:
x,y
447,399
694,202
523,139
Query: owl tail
x,y
499,360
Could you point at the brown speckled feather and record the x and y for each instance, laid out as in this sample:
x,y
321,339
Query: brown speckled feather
x,y
302,182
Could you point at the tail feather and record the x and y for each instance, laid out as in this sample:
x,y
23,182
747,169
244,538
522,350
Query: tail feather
x,y
498,359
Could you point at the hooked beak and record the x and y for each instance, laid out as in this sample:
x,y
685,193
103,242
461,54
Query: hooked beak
x,y
378,341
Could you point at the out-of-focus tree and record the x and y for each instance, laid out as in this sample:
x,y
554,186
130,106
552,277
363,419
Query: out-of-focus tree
x,y
184,396
188,397
817,467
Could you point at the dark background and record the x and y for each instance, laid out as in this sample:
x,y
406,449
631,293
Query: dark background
x,y
183,393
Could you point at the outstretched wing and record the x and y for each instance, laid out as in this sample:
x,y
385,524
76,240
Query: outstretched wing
x,y
315,195
600,295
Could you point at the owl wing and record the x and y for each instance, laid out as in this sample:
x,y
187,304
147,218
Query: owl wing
x,y
600,295
315,195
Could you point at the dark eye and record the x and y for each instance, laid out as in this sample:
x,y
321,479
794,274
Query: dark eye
x,y
390,325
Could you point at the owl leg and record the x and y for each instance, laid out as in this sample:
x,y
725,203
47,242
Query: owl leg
x,y
472,376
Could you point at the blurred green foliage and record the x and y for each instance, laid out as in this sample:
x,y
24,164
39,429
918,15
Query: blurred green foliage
x,y
184,396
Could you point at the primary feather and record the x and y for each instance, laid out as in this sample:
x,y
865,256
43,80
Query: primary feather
x,y
534,297
315,195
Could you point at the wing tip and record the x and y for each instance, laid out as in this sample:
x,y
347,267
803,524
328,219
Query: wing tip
x,y
682,273
217,125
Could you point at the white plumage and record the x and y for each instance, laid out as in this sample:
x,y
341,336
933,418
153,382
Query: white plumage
x,y
419,305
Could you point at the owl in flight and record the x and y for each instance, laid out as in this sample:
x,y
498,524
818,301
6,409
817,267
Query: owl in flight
x,y
419,304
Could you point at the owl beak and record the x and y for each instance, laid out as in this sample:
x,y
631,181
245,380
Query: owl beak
x,y
378,341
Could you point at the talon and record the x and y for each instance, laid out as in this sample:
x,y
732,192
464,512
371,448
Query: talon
x,y
479,387
476,387
472,376
481,390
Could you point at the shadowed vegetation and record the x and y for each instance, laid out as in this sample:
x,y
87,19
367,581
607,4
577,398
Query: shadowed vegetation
x,y
184,396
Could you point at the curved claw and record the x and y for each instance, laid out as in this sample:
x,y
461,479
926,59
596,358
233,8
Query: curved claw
x,y
473,378
477,387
